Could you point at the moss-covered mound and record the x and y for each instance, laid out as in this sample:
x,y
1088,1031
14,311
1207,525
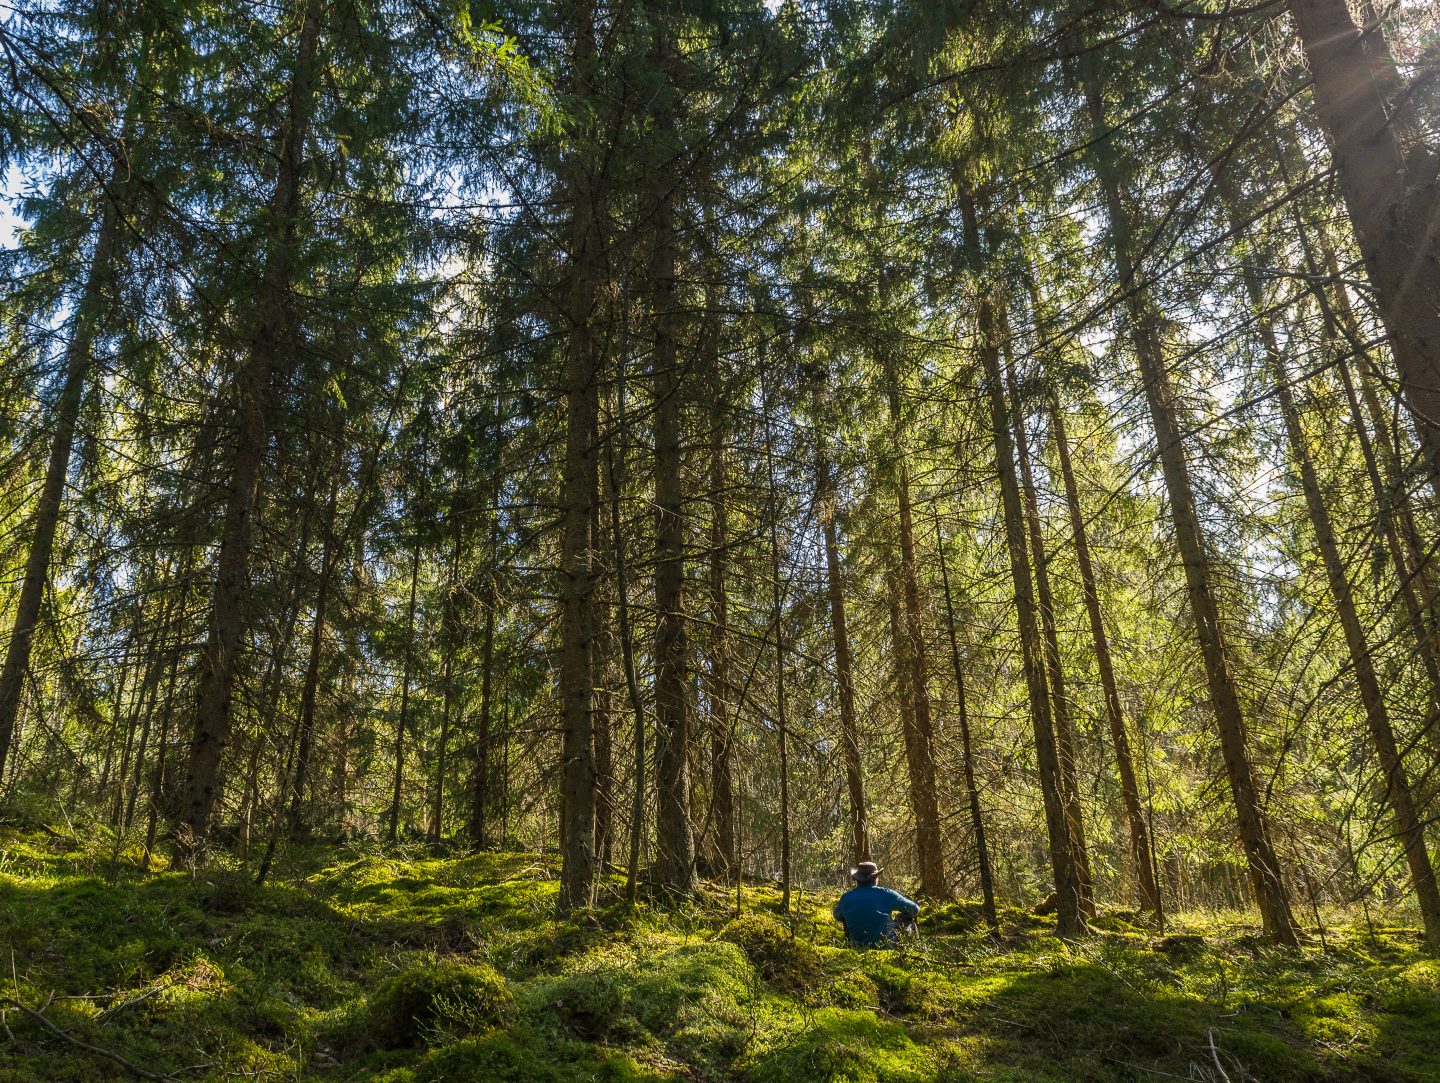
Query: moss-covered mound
x,y
434,1000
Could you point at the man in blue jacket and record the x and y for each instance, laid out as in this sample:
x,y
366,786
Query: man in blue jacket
x,y
867,909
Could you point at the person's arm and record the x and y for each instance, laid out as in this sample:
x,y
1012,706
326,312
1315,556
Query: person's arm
x,y
899,902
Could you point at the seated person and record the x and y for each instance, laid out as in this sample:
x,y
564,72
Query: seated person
x,y
867,909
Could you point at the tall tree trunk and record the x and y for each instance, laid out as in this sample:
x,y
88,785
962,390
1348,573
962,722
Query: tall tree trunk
x,y
271,343
1409,562
920,734
782,727
577,563
1409,826
967,750
674,832
1252,822
1141,852
844,667
481,796
308,693
1060,700
719,692
627,642
450,635
1392,208
159,778
1393,497
155,666
603,725
79,358
1069,912
273,685
403,721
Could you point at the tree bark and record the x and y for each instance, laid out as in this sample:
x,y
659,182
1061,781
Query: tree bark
x,y
1409,827
79,358
920,733
310,690
1141,853
972,789
577,564
719,691
844,667
1060,700
1069,912
782,728
1391,204
403,722
450,636
674,833
1252,822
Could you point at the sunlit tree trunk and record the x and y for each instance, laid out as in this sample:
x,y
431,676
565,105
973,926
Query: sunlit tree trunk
x,y
1409,826
1070,916
967,750
45,520
920,733
1141,852
844,667
1144,329
1392,208
1064,728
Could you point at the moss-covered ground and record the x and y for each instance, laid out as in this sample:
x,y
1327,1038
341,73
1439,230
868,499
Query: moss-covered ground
x,y
401,967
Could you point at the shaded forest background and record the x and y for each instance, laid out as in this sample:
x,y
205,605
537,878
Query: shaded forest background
x,y
719,439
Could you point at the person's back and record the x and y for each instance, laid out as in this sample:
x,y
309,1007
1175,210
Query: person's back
x,y
867,910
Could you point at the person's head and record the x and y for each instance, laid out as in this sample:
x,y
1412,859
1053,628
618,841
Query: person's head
x,y
865,873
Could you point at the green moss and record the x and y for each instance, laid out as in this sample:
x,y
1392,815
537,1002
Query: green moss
x,y
434,998
352,965
839,1046
507,1058
787,962
690,999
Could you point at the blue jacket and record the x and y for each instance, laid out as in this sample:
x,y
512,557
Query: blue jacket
x,y
866,911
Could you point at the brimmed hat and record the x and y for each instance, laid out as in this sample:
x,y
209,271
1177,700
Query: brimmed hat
x,y
865,870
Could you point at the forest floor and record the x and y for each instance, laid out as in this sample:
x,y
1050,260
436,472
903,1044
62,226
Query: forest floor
x,y
400,967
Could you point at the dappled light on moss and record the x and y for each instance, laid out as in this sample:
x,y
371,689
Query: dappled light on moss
x,y
418,969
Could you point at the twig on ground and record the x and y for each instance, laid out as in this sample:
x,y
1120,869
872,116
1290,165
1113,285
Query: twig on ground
x,y
1215,1057
109,1054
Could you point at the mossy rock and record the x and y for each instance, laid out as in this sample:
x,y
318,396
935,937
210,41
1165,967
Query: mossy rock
x,y
442,995
790,964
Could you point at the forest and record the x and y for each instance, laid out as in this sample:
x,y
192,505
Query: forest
x,y
504,502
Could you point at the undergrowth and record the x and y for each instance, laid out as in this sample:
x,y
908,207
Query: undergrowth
x,y
411,968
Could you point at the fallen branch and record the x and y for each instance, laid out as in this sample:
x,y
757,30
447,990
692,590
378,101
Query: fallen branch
x,y
1215,1056
129,1065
